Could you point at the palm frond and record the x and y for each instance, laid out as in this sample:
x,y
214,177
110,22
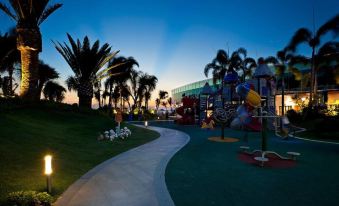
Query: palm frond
x,y
5,9
271,60
46,13
302,35
331,25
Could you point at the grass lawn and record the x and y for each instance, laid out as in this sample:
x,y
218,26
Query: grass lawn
x,y
26,135
313,133
211,173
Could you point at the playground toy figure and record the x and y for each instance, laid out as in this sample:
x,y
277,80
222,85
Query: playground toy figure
x,y
244,119
208,123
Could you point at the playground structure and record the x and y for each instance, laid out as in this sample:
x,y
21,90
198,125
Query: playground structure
x,y
187,111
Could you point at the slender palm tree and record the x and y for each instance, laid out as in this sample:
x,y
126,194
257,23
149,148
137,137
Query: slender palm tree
x,y
46,73
54,91
87,63
29,15
313,40
125,94
170,102
157,103
147,84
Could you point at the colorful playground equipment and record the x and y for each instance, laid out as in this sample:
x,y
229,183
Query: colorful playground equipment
x,y
244,118
187,111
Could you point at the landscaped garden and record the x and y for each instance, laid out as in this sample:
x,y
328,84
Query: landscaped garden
x,y
70,136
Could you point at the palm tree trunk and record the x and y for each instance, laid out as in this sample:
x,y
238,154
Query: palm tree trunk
x,y
312,77
29,73
85,94
85,101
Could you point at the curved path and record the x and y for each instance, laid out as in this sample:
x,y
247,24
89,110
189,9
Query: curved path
x,y
135,177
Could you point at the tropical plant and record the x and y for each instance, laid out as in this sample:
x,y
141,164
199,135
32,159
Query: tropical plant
x,y
29,15
246,64
157,103
170,102
286,61
222,64
119,75
147,84
86,63
46,73
313,40
54,91
9,59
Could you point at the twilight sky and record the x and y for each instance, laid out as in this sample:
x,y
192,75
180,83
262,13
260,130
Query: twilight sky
x,y
175,39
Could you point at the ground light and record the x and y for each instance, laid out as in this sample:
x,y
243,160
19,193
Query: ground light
x,y
146,124
48,172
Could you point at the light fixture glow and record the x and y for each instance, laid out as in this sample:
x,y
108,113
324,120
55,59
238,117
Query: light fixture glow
x,y
48,165
146,124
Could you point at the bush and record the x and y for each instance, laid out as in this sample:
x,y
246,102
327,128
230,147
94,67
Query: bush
x,y
293,116
29,198
328,124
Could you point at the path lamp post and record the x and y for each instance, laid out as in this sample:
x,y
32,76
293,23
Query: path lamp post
x,y
146,123
48,172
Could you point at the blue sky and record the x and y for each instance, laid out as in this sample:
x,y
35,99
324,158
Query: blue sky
x,y
175,39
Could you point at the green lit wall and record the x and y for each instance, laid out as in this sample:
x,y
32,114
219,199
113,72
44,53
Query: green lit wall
x,y
191,89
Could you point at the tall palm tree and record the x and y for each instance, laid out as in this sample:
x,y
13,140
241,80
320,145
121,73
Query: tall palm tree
x,y
119,75
157,103
29,15
170,102
46,73
284,61
313,40
86,63
148,84
54,91
9,58
220,65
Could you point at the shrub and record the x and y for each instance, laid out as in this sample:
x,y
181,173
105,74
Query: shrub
x,y
293,116
29,198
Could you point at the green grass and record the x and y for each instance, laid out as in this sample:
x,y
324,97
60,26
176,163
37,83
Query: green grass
x,y
26,135
312,133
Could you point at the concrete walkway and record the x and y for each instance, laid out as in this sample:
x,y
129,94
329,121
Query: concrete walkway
x,y
135,177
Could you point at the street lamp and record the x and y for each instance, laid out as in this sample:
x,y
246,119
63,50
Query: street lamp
x,y
48,172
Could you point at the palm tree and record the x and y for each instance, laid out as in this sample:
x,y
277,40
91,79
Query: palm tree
x,y
163,94
9,58
86,63
120,75
136,88
246,64
157,103
283,61
29,15
147,84
170,102
125,94
46,73
54,91
313,40
220,65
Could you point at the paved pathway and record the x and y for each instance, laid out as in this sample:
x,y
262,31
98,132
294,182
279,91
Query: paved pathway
x,y
135,177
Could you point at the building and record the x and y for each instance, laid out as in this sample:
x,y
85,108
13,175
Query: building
x,y
296,93
191,89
